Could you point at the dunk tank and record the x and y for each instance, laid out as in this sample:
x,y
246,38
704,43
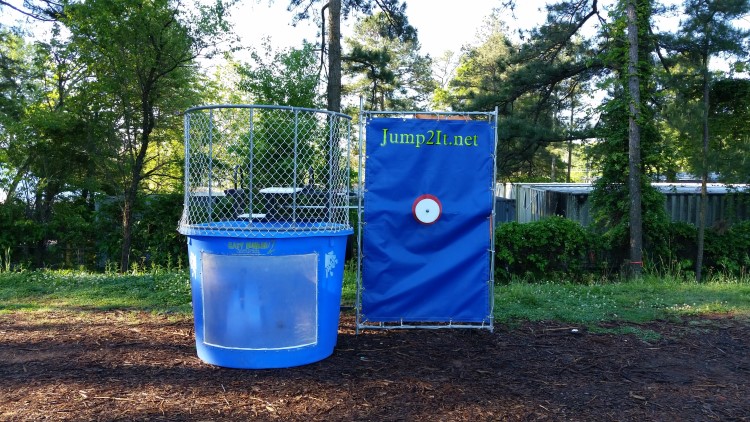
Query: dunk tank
x,y
266,219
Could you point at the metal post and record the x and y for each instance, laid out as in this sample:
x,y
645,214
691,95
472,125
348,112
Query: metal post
x,y
210,164
360,193
251,141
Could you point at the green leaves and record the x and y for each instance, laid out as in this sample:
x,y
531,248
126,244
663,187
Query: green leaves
x,y
543,248
288,78
385,65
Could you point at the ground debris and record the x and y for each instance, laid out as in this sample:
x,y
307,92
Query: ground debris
x,y
105,366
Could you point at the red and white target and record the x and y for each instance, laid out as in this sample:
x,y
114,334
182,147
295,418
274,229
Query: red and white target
x,y
427,209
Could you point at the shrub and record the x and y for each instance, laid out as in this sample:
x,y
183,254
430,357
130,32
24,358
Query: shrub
x,y
554,246
670,250
156,241
728,251
559,249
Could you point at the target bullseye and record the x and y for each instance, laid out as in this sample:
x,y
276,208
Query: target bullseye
x,y
427,209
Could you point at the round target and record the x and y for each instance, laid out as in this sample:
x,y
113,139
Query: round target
x,y
427,209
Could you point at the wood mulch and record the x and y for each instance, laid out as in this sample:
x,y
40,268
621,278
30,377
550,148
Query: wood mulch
x,y
108,366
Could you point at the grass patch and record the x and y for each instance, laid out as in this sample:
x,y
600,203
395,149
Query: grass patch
x,y
648,299
158,291
349,286
651,298
642,333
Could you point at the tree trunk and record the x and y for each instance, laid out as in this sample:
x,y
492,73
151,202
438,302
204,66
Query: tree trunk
x,y
136,176
127,232
129,203
570,141
41,242
634,143
704,176
20,175
334,55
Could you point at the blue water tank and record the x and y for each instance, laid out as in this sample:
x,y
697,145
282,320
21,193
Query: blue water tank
x,y
270,301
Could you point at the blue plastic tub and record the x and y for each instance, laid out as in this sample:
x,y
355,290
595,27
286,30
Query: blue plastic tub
x,y
270,301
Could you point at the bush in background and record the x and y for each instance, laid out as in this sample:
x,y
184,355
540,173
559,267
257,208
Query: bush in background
x,y
729,250
156,241
552,247
558,249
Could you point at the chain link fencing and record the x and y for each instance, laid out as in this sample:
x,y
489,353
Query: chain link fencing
x,y
253,170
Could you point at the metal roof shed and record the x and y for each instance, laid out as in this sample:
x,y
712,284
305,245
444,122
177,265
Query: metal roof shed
x,y
726,203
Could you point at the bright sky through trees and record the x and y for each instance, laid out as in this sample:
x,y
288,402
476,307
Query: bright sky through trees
x,y
442,24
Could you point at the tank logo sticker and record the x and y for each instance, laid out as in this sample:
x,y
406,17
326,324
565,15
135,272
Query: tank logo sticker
x,y
330,263
253,247
193,265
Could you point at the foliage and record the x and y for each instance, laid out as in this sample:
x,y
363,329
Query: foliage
x,y
82,237
729,252
544,249
708,32
556,64
531,84
48,130
556,249
482,71
730,141
675,252
336,11
611,198
16,231
385,65
156,240
348,7
142,57
286,78
39,10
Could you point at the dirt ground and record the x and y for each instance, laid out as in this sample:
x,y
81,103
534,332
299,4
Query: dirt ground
x,y
89,366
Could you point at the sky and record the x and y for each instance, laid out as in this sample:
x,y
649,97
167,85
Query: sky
x,y
441,24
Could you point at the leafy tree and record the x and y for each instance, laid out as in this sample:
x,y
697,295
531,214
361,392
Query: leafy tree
x,y
41,10
142,57
706,33
530,84
615,198
635,19
336,10
46,122
539,78
288,78
15,92
386,66
482,71
17,89
729,112
443,71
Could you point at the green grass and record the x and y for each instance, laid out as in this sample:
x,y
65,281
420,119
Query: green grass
x,y
157,291
349,287
648,299
634,302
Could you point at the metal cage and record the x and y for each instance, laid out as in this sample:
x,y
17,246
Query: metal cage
x,y
257,170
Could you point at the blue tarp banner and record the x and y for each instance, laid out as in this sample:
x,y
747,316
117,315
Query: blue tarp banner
x,y
427,211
